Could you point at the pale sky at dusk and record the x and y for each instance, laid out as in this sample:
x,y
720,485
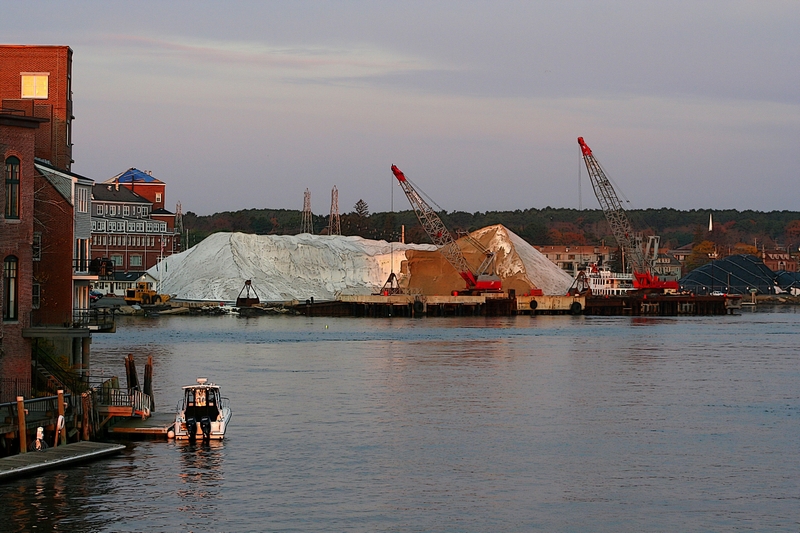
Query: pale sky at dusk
x,y
686,104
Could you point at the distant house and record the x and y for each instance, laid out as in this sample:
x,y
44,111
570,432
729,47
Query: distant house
x,y
667,267
129,223
779,260
571,259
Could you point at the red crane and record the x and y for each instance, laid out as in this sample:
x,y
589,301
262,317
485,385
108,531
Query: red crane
x,y
444,241
640,258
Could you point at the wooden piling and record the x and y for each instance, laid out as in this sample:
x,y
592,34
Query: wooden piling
x,y
23,437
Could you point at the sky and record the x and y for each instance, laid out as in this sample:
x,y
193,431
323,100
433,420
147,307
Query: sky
x,y
237,105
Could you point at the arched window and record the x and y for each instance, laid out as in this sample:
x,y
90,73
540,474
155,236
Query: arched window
x,y
10,285
12,188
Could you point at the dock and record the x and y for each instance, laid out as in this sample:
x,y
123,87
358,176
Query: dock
x,y
635,304
156,426
27,464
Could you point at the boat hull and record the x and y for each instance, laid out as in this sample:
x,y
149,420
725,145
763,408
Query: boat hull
x,y
217,432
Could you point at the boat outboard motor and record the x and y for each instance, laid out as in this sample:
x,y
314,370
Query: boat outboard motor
x,y
205,425
191,427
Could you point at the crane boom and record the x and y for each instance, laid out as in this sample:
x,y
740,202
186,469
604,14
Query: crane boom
x,y
442,238
615,214
640,260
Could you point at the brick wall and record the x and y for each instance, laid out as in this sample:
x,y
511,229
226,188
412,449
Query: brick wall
x,y
17,137
53,140
54,271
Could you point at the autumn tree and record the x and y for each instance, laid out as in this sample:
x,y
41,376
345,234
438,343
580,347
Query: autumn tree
x,y
701,254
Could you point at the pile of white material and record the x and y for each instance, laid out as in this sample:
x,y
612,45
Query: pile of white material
x,y
523,261
281,267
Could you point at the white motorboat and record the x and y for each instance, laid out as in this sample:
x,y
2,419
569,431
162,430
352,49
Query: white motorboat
x,y
202,413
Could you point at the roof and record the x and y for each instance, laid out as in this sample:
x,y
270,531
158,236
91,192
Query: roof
x,y
161,211
134,175
736,274
105,192
61,179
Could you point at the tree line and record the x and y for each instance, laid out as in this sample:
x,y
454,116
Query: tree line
x,y
733,231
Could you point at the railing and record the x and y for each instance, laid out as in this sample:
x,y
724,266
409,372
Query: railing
x,y
97,319
137,401
40,411
64,378
80,265
10,388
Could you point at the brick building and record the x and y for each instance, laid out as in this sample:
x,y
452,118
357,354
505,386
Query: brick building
x,y
129,223
779,260
46,225
17,142
38,81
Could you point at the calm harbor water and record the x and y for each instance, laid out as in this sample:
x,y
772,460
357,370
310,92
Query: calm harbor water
x,y
475,424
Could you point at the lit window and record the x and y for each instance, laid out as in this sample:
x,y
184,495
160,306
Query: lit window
x,y
10,288
34,85
12,188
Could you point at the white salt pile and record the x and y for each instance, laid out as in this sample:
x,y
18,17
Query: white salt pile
x,y
281,267
299,267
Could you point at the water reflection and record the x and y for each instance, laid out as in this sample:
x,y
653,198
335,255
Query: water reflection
x,y
200,478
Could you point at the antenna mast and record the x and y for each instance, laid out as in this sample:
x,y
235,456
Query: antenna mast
x,y
334,222
307,225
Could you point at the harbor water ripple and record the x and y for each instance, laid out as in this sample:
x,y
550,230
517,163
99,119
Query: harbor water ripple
x,y
469,424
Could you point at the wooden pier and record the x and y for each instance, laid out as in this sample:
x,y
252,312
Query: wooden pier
x,y
27,464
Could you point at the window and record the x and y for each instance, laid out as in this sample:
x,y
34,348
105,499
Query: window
x,y
10,288
126,210
136,260
140,226
100,209
112,210
34,85
82,200
12,187
116,259
36,296
37,246
158,197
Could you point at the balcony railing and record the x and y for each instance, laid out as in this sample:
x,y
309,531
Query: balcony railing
x,y
94,319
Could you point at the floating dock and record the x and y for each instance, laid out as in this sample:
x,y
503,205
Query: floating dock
x,y
27,464
155,426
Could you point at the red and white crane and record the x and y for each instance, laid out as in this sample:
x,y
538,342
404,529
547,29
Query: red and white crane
x,y
444,241
640,257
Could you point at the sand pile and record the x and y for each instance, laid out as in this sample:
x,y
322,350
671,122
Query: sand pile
x,y
298,267
520,266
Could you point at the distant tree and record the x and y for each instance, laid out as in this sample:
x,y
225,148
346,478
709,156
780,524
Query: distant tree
x,y
742,248
793,230
362,209
700,255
